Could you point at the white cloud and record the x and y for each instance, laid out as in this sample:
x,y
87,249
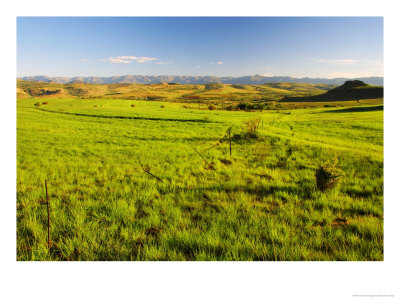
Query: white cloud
x,y
197,66
145,59
368,62
219,62
117,60
128,59
338,61
83,60
267,74
353,68
164,63
353,74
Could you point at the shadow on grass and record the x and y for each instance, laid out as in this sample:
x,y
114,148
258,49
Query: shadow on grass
x,y
191,248
219,251
356,109
126,117
305,192
158,139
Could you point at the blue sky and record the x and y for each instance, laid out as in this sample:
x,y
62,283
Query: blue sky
x,y
222,46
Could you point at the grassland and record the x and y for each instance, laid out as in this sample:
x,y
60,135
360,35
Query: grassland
x,y
212,93
261,203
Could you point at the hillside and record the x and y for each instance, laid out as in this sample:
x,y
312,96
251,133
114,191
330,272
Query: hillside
x,y
149,79
212,93
350,90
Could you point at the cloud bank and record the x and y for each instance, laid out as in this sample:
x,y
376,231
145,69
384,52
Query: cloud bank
x,y
350,62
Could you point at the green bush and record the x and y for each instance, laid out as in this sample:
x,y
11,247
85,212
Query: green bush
x,y
327,176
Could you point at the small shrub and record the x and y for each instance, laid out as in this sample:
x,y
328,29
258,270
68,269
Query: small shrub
x,y
327,176
45,103
211,107
252,128
250,132
242,106
132,105
37,104
162,106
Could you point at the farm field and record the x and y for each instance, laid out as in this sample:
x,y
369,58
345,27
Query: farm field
x,y
154,180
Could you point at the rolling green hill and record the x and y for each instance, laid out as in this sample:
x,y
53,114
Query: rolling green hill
x,y
350,90
197,93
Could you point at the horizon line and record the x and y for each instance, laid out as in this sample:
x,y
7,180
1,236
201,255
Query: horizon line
x,y
21,77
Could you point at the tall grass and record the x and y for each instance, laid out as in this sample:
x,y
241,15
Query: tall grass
x,y
265,205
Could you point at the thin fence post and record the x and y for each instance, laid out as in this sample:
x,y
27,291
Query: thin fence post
x,y
48,215
230,144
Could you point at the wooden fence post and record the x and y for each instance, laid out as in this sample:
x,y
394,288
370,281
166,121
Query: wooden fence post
x,y
230,144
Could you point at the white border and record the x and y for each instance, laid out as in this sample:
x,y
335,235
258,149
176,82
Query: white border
x,y
191,280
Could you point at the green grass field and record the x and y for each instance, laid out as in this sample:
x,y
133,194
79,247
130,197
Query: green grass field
x,y
261,203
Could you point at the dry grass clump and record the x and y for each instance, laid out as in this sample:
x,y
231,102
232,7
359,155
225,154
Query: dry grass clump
x,y
252,127
250,132
327,176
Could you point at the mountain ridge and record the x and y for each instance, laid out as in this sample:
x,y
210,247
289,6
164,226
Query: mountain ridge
x,y
188,79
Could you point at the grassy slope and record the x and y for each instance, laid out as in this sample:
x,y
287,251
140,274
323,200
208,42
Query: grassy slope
x,y
345,92
183,93
264,206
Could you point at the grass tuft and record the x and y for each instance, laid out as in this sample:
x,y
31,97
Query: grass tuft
x,y
328,175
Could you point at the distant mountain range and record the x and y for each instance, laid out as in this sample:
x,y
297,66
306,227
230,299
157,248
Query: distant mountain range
x,y
148,79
